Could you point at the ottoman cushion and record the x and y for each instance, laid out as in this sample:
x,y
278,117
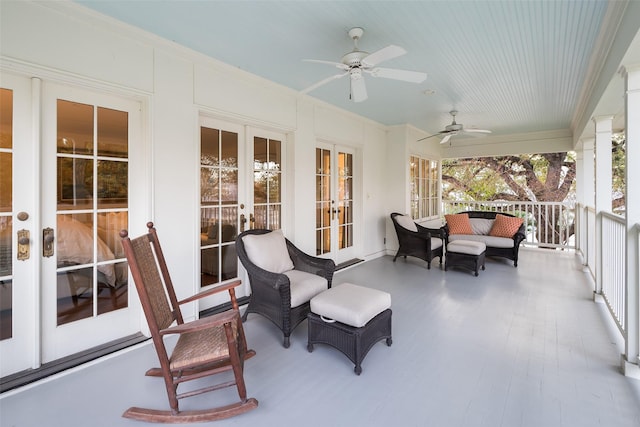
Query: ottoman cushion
x,y
350,304
466,247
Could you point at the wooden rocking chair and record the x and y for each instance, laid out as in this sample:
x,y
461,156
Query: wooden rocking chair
x,y
206,346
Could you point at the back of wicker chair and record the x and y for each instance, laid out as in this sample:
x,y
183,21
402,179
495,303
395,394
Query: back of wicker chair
x,y
271,292
418,243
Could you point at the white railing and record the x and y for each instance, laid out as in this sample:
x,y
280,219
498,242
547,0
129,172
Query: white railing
x,y
613,247
547,224
589,229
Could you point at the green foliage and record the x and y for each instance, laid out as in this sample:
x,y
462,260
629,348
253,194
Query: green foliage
x,y
535,177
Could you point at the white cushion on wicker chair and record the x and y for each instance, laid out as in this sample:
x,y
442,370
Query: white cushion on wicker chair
x,y
268,251
435,243
304,286
351,304
405,221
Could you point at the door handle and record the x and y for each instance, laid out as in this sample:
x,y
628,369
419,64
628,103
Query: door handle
x,y
252,221
243,220
47,242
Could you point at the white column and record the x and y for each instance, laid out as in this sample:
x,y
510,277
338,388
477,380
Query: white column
x,y
604,181
585,191
631,357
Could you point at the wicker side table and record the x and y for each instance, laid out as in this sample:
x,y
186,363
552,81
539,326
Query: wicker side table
x,y
350,318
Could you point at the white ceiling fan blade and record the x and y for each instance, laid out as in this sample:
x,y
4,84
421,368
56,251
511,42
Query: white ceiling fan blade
x,y
446,138
472,130
382,55
358,88
323,81
427,137
405,75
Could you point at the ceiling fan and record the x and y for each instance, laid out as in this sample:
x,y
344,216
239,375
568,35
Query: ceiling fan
x,y
454,129
357,63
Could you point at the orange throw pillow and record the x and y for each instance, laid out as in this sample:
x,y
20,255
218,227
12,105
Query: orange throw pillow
x,y
459,224
505,226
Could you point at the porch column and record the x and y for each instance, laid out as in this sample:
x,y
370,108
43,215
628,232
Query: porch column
x,y
604,180
585,192
631,361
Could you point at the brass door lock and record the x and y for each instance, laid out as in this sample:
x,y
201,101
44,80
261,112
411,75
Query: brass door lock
x,y
47,242
23,245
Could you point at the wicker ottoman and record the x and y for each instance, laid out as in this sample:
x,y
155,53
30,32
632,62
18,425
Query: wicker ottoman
x,y
350,318
466,254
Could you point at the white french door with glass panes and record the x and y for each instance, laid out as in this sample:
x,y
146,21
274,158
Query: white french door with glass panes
x,y
335,222
89,144
19,259
222,201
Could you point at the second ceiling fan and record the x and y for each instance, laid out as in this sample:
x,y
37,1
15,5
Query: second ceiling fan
x,y
454,129
357,63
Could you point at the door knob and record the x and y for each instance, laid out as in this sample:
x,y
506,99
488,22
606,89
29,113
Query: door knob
x,y
23,245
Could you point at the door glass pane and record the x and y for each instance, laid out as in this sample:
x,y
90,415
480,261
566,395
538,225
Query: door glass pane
x,y
218,205
6,214
92,200
345,202
323,201
113,129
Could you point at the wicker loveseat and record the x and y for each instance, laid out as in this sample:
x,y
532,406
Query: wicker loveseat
x,y
482,223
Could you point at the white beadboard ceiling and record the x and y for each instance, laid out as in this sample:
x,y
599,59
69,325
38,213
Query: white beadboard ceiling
x,y
510,66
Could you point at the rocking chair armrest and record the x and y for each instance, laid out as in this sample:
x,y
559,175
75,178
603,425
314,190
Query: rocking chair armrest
x,y
204,323
211,291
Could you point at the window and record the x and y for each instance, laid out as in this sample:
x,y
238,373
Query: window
x,y
424,187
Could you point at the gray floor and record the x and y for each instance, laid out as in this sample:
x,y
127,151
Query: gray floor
x,y
513,347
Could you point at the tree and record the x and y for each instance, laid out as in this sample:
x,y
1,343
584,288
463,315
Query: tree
x,y
618,153
546,177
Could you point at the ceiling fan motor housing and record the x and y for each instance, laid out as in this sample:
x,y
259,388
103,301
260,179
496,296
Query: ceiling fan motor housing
x,y
354,59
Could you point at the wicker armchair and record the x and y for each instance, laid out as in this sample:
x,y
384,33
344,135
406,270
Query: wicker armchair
x,y
421,242
273,295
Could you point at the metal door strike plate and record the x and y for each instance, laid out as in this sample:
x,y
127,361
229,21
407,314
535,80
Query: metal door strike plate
x,y
47,242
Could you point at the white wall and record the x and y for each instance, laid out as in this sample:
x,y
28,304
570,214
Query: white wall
x,y
70,44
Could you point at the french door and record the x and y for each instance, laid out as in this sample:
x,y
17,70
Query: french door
x,y
65,192
241,179
18,228
335,220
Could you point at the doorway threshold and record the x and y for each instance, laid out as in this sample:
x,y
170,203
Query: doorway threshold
x,y
28,376
348,263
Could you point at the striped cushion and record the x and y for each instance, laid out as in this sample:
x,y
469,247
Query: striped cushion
x,y
505,226
459,224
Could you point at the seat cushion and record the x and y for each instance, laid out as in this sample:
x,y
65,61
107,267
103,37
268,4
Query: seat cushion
x,y
435,243
305,286
351,304
459,224
268,251
492,241
466,247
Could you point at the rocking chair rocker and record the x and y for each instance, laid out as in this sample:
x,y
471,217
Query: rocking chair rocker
x,y
205,347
